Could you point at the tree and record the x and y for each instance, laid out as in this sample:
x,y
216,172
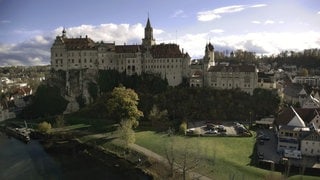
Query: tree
x,y
183,128
123,105
265,102
46,102
185,156
59,121
304,72
44,127
126,132
159,119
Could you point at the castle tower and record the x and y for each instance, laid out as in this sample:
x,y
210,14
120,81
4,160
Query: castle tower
x,y
208,59
148,40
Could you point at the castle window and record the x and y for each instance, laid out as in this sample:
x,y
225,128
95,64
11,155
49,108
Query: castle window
x,y
85,60
72,60
56,54
91,60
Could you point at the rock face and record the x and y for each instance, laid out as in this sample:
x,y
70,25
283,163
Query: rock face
x,y
75,87
73,105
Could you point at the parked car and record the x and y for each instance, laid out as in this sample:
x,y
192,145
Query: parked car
x,y
264,137
261,141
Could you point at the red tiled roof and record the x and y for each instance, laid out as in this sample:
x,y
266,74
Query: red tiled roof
x,y
127,49
166,51
79,43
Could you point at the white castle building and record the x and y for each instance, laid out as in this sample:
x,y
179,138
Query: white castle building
x,y
166,60
83,53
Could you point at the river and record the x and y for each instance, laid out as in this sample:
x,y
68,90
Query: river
x,y
30,161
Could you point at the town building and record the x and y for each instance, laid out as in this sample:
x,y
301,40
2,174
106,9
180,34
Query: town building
x,y
294,93
313,81
205,73
82,53
310,146
298,128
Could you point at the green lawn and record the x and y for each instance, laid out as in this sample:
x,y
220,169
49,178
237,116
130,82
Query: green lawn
x,y
231,154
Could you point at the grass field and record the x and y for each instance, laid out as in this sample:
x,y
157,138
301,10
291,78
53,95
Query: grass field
x,y
224,157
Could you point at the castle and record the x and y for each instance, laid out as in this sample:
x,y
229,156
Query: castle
x,y
167,60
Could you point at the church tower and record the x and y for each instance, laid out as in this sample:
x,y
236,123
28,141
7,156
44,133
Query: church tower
x,y
148,40
208,59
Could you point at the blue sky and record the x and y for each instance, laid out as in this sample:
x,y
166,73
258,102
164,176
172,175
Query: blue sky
x,y
28,27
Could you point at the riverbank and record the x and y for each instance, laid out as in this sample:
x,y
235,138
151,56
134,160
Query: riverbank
x,y
66,146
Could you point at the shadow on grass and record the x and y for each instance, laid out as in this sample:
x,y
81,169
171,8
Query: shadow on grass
x,y
253,157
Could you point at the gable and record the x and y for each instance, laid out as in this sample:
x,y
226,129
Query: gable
x,y
296,120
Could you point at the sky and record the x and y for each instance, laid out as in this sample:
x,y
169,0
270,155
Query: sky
x,y
29,27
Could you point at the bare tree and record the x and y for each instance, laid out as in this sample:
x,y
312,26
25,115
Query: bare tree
x,y
185,156
170,156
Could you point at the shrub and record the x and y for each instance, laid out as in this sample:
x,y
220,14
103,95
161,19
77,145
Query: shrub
x,y
183,128
44,127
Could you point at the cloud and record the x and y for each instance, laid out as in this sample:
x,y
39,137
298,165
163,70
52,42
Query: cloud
x,y
179,13
216,13
5,22
120,33
228,9
217,31
256,22
269,22
266,43
318,12
258,5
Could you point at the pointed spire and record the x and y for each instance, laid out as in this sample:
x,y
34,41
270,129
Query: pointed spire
x,y
148,23
64,32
